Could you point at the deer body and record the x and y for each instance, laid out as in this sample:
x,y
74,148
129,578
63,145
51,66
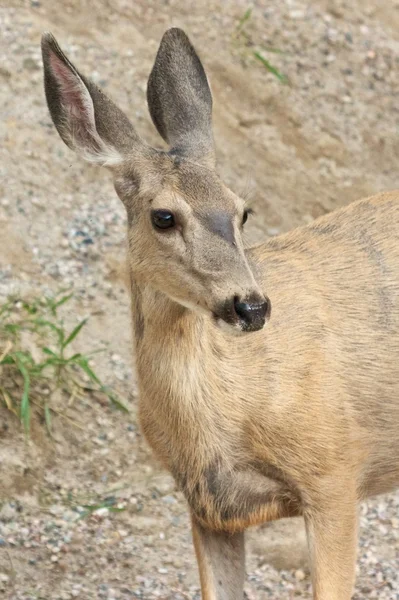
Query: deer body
x,y
300,417
289,406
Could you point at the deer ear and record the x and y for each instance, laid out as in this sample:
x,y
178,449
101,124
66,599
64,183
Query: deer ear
x,y
87,121
179,97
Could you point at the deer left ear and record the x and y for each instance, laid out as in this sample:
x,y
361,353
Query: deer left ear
x,y
87,121
179,98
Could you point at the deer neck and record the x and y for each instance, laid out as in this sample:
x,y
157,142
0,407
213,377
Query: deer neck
x,y
173,348
180,380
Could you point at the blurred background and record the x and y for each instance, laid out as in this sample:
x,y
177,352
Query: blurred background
x,y
306,119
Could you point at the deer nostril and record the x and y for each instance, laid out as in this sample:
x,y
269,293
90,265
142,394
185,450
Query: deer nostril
x,y
252,313
242,309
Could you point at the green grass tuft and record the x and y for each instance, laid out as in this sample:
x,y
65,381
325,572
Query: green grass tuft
x,y
32,379
243,43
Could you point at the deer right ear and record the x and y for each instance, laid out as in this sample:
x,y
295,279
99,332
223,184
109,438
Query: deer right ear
x,y
87,121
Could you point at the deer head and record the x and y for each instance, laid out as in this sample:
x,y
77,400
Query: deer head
x,y
185,225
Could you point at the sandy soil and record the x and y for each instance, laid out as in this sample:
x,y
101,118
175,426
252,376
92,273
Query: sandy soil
x,y
298,151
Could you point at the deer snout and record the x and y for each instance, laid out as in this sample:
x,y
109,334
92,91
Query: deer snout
x,y
246,314
252,312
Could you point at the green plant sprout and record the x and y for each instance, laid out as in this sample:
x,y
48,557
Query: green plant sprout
x,y
27,381
242,40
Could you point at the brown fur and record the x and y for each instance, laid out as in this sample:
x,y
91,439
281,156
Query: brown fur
x,y
301,417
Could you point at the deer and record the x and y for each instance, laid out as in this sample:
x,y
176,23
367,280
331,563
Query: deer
x,y
268,375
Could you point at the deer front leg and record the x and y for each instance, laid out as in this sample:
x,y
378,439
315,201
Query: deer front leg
x,y
332,538
221,563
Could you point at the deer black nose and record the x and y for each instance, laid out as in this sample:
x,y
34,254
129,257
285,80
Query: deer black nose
x,y
252,312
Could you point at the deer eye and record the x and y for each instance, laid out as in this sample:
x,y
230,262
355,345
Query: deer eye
x,y
162,219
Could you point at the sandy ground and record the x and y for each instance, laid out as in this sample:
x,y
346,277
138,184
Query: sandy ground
x,y
298,151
